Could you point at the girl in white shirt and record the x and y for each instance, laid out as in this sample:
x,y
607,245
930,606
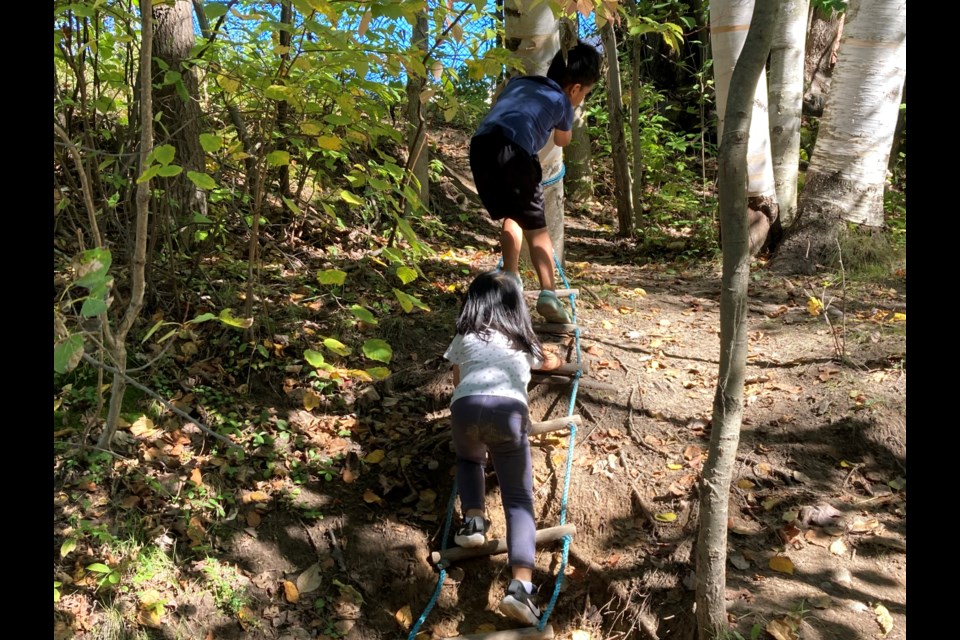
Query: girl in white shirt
x,y
492,354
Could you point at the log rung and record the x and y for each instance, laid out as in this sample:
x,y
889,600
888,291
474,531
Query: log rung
x,y
556,424
499,545
525,633
561,293
566,369
553,327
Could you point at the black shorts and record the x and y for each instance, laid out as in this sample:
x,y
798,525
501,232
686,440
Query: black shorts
x,y
508,180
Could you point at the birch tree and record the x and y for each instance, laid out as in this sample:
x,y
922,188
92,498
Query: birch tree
x,y
847,174
729,22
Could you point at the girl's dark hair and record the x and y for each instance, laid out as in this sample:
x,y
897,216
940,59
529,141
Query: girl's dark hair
x,y
494,302
582,66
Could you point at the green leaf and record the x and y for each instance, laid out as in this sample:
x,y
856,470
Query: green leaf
x,y
310,128
149,173
393,254
170,170
349,198
278,158
408,302
314,358
331,276
363,314
92,307
94,264
68,546
210,142
99,567
337,347
113,577
276,92
378,350
292,206
378,373
164,153
214,10
406,274
202,180
226,317
67,354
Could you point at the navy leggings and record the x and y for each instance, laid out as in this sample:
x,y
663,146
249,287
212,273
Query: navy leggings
x,y
499,425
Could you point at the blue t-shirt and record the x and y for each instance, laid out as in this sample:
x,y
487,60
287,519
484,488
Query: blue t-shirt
x,y
528,109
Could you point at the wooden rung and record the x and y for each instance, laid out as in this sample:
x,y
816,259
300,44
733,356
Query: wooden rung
x,y
526,633
493,547
554,425
566,369
561,293
553,327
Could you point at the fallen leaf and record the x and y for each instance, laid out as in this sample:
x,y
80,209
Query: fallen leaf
x,y
404,617
821,602
862,525
838,547
669,516
245,615
791,535
781,629
789,516
375,457
370,497
310,400
195,476
884,619
255,496
310,579
739,561
143,426
742,526
745,484
580,635
783,564
348,476
817,537
821,515
771,502
673,466
485,628
692,451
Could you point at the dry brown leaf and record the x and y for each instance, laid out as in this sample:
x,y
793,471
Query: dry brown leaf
x,y
404,617
348,476
370,497
255,496
245,616
782,564
195,476
743,527
291,592
692,451
143,426
838,547
782,629
820,515
310,579
817,537
745,484
863,525
486,627
253,519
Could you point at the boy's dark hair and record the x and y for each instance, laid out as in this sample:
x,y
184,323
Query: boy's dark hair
x,y
582,66
494,302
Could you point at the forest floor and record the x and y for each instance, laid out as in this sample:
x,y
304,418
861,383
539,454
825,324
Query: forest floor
x,y
817,511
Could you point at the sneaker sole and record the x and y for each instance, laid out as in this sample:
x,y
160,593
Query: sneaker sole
x,y
553,315
469,542
512,608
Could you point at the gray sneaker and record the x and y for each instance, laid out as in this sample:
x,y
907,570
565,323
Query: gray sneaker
x,y
519,604
550,307
472,533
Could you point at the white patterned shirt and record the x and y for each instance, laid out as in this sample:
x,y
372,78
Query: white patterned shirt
x,y
492,368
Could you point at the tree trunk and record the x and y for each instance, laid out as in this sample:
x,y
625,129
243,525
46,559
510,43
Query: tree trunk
x,y
579,176
786,102
820,55
177,104
728,401
283,107
532,33
729,21
416,127
621,163
636,192
847,174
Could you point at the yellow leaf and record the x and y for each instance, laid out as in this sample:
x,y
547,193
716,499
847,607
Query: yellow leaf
x,y
814,306
485,628
290,591
884,619
899,317
673,466
310,400
745,484
838,547
370,497
331,143
404,617
781,630
375,457
245,615
607,324
195,476
143,426
781,564
256,496
669,516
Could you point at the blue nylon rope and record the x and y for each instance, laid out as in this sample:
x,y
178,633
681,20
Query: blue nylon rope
x,y
555,179
443,571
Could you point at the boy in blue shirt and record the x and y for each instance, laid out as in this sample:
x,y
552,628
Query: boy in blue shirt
x,y
506,168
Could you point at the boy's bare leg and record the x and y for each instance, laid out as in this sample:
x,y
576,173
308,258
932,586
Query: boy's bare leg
x,y
511,238
541,253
